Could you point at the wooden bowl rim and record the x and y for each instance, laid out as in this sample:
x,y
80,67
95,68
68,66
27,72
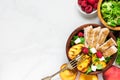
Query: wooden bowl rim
x,y
81,28
117,28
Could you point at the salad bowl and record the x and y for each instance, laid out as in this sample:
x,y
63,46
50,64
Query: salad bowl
x,y
81,28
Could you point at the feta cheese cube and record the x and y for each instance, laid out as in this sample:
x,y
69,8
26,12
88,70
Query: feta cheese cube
x,y
93,50
102,58
93,67
77,41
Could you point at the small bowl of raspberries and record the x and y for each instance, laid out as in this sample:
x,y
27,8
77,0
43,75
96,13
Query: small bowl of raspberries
x,y
87,7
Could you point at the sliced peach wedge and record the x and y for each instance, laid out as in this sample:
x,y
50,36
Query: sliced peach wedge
x,y
67,74
75,50
88,77
83,64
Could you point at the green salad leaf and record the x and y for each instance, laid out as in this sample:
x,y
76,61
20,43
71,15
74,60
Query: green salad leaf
x,y
82,39
107,59
99,66
96,59
118,52
89,70
110,10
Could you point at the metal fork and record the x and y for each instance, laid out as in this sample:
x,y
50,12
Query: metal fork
x,y
70,65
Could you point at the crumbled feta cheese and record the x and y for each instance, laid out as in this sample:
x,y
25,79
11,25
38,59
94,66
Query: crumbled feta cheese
x,y
77,41
93,67
93,50
102,58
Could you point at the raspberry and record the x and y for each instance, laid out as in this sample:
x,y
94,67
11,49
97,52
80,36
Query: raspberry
x,y
95,6
83,8
88,9
80,1
99,54
83,3
80,34
92,2
85,50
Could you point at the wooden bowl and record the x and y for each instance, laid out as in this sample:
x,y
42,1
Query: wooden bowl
x,y
117,28
80,28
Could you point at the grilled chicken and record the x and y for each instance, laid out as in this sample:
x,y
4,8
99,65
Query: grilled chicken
x,y
95,38
102,36
95,34
87,34
110,51
107,44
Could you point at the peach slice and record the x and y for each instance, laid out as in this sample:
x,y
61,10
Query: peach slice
x,y
88,77
75,50
67,74
84,63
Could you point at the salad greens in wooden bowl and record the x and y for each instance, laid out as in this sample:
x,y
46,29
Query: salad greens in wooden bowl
x,y
109,13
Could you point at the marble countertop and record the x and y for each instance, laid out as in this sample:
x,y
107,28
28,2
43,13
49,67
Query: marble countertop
x,y
33,35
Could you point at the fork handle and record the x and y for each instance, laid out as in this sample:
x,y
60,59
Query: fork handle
x,y
50,77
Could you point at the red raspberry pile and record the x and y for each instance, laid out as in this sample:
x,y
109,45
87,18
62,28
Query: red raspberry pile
x,y
88,5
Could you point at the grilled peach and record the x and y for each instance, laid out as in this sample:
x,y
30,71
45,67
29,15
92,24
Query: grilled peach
x,y
68,74
88,77
84,63
75,50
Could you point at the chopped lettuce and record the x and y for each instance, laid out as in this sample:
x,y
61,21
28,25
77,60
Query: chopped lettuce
x,y
110,10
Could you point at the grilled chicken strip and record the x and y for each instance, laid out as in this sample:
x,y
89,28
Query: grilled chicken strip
x,y
102,36
106,45
110,51
87,34
95,34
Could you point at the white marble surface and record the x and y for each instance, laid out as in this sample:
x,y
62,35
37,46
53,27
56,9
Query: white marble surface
x,y
33,35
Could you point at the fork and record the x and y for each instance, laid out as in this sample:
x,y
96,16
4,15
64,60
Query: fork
x,y
70,65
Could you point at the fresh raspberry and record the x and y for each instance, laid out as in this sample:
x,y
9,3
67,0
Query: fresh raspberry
x,y
83,3
80,1
92,2
80,34
85,50
88,9
99,54
83,8
95,6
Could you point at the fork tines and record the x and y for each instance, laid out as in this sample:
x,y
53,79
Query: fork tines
x,y
73,63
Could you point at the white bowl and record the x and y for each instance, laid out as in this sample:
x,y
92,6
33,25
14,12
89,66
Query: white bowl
x,y
93,13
